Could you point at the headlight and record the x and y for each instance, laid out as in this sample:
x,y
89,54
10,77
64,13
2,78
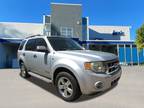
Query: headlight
x,y
96,66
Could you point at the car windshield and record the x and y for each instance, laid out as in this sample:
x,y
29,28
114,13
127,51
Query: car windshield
x,y
61,44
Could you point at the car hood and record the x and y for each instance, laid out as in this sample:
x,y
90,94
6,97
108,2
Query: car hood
x,y
90,55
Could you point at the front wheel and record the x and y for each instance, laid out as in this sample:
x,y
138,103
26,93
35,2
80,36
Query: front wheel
x,y
67,86
23,71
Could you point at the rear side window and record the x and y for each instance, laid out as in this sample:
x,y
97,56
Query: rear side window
x,y
30,46
21,45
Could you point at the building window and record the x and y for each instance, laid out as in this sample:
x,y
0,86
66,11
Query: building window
x,y
67,31
47,29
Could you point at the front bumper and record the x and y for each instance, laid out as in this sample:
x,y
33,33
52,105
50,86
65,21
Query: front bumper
x,y
93,82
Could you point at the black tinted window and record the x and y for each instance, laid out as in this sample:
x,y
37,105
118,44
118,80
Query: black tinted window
x,y
31,45
41,42
61,44
22,44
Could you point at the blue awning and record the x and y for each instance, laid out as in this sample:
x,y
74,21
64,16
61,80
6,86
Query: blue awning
x,y
10,40
109,42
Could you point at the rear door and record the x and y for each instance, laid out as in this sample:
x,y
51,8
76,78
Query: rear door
x,y
20,49
29,53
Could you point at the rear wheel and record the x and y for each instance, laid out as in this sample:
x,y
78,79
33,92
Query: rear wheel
x,y
67,86
23,71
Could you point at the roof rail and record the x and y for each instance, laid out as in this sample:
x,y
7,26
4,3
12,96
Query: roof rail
x,y
33,35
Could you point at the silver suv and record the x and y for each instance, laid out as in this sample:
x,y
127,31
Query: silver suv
x,y
71,68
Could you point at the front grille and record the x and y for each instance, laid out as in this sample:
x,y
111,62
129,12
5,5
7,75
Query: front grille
x,y
112,66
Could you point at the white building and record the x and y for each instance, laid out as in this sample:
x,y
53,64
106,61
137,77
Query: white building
x,y
66,20
19,30
109,32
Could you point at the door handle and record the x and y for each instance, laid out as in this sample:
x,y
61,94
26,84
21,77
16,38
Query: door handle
x,y
35,56
23,54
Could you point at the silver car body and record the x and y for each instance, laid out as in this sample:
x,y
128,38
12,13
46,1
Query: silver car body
x,y
46,65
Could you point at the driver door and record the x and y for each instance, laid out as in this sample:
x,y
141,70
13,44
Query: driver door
x,y
42,59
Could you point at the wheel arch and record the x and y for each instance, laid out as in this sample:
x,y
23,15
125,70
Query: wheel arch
x,y
63,69
20,61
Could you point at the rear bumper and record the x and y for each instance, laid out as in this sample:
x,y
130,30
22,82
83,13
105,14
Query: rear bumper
x,y
93,82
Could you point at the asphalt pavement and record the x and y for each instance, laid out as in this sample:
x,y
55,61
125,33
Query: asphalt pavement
x,y
38,92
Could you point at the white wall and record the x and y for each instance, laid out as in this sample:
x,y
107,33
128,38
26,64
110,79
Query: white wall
x,y
105,32
19,30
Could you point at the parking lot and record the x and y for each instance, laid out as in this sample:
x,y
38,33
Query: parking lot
x,y
37,92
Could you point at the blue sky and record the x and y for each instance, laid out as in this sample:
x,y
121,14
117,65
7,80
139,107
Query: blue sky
x,y
100,12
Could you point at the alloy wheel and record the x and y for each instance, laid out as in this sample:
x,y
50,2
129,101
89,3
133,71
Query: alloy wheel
x,y
65,87
23,71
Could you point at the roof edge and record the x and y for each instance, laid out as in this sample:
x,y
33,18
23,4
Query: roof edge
x,y
66,4
112,40
109,26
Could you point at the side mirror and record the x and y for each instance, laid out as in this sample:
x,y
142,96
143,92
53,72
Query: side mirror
x,y
41,49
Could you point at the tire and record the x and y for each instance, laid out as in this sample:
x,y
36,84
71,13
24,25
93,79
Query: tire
x,y
67,86
23,71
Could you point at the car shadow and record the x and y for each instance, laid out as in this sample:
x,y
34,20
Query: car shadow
x,y
48,86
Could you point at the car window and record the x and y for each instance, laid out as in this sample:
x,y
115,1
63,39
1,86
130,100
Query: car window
x,y
41,42
21,45
61,44
30,46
